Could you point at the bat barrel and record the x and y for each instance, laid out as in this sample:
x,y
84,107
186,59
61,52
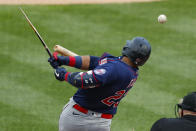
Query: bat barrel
x,y
64,51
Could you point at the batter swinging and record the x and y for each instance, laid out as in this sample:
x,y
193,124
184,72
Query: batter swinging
x,y
101,88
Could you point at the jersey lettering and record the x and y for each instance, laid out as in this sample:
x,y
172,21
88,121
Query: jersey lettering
x,y
116,104
132,83
109,101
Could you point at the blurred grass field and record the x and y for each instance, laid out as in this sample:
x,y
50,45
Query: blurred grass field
x,y
30,97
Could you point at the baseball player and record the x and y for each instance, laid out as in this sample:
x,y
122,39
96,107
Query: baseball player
x,y
100,89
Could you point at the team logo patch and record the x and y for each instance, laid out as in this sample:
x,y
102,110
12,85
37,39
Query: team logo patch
x,y
100,71
103,61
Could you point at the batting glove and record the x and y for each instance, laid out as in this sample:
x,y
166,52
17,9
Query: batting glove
x,y
60,73
54,61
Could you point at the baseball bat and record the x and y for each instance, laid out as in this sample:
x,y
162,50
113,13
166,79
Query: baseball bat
x,y
63,51
37,33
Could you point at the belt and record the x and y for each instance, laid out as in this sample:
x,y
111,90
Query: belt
x,y
85,111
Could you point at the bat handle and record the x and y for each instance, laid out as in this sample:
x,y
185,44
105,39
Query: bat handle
x,y
49,53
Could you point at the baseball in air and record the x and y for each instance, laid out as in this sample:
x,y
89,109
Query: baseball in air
x,y
162,19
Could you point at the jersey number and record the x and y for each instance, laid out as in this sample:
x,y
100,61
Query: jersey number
x,y
111,100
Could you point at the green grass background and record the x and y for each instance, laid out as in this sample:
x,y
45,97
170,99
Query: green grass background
x,y
30,97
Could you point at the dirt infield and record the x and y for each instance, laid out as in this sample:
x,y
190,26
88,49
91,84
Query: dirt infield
x,y
15,2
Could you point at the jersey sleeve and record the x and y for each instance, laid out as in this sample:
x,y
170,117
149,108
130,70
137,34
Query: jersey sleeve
x,y
105,73
94,62
83,80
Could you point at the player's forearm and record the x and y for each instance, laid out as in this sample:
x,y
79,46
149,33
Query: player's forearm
x,y
80,62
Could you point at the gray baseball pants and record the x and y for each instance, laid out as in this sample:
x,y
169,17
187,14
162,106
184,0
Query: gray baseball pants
x,y
74,120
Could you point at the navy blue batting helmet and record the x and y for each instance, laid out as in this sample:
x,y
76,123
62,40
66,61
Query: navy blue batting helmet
x,y
137,50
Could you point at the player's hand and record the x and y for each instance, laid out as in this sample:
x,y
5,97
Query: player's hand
x,y
60,73
54,61
57,60
55,64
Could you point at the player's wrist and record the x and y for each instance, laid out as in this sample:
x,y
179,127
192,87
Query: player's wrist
x,y
60,74
66,76
55,55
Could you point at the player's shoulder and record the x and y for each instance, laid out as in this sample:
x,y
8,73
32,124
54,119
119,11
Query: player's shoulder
x,y
107,55
116,64
108,58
